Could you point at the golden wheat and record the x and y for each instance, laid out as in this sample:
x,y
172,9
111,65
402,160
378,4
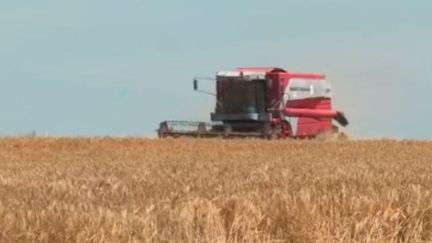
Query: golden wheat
x,y
143,190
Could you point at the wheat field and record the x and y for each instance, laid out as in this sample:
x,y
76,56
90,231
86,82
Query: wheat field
x,y
185,190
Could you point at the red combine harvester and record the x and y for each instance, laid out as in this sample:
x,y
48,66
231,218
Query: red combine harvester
x,y
267,103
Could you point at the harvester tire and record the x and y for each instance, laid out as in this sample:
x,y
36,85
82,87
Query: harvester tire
x,y
227,130
163,129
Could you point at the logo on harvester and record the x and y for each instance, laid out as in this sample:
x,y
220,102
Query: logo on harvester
x,y
302,89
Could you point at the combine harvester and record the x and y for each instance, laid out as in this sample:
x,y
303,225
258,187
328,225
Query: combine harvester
x,y
267,103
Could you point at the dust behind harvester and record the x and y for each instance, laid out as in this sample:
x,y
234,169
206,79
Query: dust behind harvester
x,y
267,103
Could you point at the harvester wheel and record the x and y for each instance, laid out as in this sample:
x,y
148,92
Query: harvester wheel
x,y
276,133
269,132
163,129
201,129
227,130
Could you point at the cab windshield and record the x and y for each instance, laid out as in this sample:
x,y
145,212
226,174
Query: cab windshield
x,y
238,96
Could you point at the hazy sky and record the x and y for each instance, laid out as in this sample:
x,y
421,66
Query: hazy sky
x,y
105,67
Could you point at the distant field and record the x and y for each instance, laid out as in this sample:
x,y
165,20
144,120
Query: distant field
x,y
142,190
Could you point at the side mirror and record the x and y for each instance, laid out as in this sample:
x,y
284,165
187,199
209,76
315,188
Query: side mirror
x,y
195,84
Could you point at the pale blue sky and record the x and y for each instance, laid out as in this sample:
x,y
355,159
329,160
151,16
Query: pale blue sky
x,y
93,67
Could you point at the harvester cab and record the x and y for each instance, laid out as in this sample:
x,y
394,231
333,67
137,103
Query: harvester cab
x,y
264,102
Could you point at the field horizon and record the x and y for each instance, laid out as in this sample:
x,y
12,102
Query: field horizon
x,y
104,189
